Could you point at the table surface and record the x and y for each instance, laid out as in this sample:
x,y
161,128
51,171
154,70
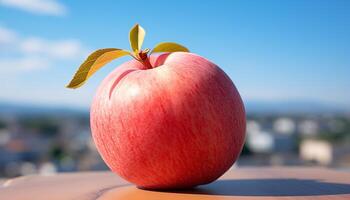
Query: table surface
x,y
238,183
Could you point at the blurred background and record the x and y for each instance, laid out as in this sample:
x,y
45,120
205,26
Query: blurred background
x,y
289,60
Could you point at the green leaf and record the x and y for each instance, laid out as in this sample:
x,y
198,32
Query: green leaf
x,y
136,36
93,63
169,47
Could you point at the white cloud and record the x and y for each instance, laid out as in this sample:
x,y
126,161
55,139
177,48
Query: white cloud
x,y
66,49
21,54
23,64
47,7
7,36
62,49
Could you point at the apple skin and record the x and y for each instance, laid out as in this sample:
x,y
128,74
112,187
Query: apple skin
x,y
175,126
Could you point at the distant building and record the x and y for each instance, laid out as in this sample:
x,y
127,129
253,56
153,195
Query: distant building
x,y
308,127
284,126
318,151
4,137
253,126
325,153
260,142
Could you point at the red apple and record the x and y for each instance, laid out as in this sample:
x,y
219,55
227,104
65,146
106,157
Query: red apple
x,y
166,121
178,125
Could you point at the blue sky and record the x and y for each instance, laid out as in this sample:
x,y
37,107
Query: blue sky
x,y
272,50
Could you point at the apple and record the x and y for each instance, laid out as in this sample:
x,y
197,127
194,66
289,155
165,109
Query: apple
x,y
166,121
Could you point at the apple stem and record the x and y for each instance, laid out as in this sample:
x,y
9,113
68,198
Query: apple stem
x,y
147,63
144,59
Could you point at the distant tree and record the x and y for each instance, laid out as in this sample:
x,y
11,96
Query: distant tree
x,y
44,126
246,151
2,124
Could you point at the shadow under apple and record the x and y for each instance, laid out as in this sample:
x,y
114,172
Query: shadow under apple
x,y
223,189
269,187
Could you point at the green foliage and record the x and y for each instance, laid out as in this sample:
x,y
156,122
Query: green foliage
x,y
2,124
57,153
334,137
41,125
246,151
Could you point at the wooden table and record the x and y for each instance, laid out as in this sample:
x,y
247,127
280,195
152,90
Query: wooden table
x,y
239,183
